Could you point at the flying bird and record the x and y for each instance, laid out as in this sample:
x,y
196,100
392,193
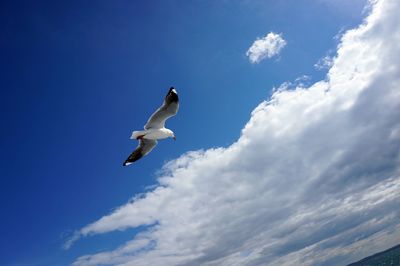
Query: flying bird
x,y
155,127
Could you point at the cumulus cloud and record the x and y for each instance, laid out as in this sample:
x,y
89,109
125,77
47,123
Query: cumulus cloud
x,y
266,47
313,179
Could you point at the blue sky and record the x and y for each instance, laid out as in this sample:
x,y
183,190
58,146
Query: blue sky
x,y
78,77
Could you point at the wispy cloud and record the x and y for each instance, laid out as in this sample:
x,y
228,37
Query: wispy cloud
x,y
299,82
266,47
325,62
313,179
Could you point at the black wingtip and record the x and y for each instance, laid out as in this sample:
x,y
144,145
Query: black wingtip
x,y
172,90
172,95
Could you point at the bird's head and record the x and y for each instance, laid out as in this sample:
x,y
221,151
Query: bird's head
x,y
171,134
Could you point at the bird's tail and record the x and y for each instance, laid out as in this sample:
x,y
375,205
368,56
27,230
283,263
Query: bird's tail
x,y
136,134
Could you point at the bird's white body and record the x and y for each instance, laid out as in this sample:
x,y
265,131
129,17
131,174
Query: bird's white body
x,y
153,133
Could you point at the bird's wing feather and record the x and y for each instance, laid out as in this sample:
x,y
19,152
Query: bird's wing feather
x,y
145,146
169,108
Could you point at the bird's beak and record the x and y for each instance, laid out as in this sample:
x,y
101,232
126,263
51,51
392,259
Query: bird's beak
x,y
174,137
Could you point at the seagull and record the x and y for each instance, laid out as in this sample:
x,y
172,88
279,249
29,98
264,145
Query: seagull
x,y
155,127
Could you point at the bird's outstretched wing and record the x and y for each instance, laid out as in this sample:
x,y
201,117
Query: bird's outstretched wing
x,y
145,146
169,108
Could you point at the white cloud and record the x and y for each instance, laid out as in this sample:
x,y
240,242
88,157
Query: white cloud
x,y
325,62
266,47
299,82
313,180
